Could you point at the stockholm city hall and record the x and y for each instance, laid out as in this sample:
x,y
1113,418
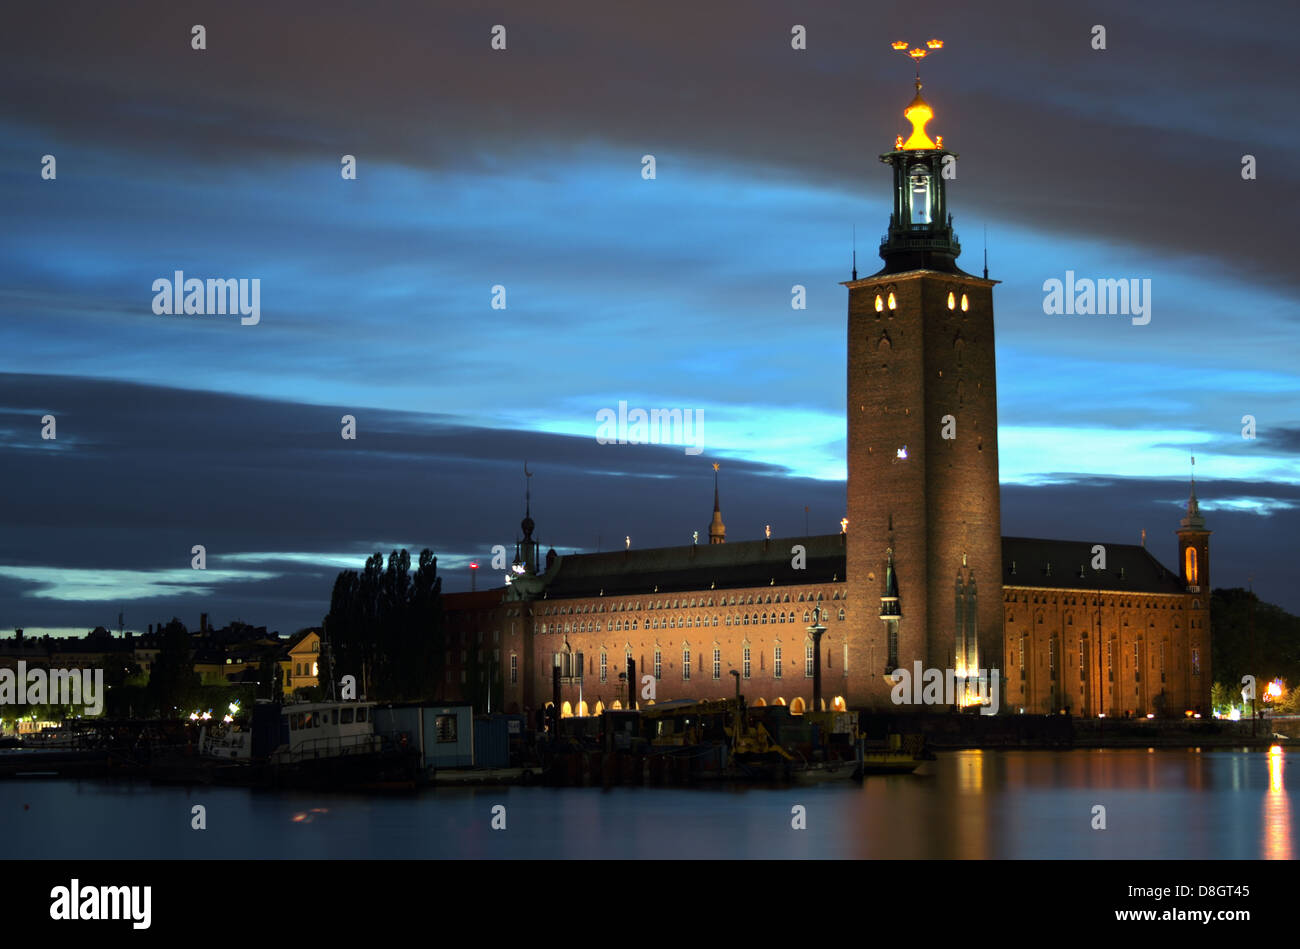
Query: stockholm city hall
x,y
919,572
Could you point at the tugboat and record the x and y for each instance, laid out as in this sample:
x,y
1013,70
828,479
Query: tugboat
x,y
310,744
333,744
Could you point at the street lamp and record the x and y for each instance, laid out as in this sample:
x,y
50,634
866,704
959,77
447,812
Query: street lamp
x,y
817,629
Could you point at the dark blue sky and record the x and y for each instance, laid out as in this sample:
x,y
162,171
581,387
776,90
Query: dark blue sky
x,y
523,168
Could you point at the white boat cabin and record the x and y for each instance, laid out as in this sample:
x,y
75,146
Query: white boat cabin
x,y
327,730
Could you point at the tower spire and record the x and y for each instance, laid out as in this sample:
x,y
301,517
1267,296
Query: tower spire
x,y
526,550
920,235
1194,520
717,530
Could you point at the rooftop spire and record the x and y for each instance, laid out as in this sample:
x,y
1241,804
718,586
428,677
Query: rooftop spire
x,y
1193,520
717,530
919,111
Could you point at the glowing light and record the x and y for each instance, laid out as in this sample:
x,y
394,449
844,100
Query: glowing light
x,y
1151,715
952,301
1274,691
880,303
902,453
965,304
899,44
918,113
892,302
934,44
473,564
228,719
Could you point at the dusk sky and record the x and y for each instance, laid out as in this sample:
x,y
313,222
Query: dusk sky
x,y
523,168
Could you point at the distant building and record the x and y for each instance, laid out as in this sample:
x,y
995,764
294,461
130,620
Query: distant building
x,y
300,662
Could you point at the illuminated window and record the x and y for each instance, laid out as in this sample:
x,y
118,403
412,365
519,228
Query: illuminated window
x,y
880,303
1189,558
920,194
965,304
745,661
603,660
514,670
686,662
893,304
952,301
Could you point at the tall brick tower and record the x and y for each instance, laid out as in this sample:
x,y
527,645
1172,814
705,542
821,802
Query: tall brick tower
x,y
922,437
1194,572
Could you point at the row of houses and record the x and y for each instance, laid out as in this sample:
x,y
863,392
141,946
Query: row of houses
x,y
230,655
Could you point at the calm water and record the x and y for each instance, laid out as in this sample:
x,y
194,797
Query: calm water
x,y
1161,804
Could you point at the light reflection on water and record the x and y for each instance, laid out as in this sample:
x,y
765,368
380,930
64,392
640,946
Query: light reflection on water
x,y
999,804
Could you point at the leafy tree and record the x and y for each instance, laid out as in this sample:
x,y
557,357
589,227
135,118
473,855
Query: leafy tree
x,y
385,627
270,678
1276,649
173,684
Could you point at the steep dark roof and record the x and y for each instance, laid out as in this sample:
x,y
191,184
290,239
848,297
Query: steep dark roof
x,y
760,563
1128,566
751,563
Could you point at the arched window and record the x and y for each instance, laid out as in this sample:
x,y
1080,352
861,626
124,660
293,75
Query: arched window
x,y
1189,559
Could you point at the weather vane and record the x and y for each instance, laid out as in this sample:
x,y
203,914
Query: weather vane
x,y
917,53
